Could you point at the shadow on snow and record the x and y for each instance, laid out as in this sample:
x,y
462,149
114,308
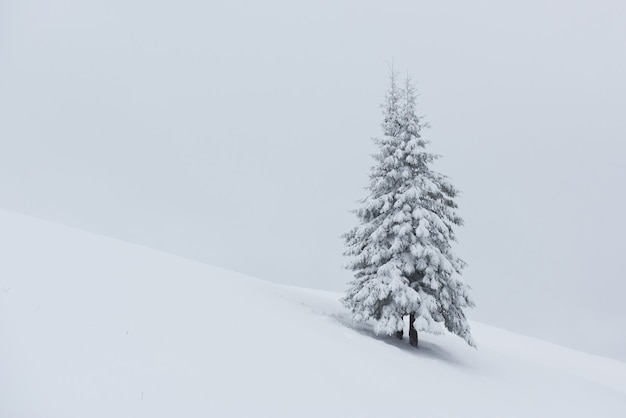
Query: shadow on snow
x,y
425,349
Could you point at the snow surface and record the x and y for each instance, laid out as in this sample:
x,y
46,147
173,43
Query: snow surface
x,y
95,327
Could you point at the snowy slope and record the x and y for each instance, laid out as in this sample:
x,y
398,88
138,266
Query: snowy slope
x,y
94,327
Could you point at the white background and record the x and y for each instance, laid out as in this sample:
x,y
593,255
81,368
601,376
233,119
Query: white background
x,y
239,134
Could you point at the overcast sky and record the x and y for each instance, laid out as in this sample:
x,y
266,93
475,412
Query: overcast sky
x,y
238,133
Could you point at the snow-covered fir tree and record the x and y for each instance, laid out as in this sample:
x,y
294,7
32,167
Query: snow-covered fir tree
x,y
401,250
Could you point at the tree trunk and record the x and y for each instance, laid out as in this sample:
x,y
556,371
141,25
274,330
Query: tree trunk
x,y
399,334
412,331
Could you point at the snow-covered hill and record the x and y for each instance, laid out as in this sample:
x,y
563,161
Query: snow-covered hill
x,y
94,327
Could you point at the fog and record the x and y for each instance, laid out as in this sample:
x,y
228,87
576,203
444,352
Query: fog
x,y
238,134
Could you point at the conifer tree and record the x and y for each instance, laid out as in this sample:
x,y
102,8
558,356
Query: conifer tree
x,y
400,251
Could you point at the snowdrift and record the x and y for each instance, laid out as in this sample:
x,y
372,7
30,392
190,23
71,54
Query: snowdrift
x,y
94,327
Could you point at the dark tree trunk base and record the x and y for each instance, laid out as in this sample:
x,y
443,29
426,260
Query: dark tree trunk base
x,y
412,331
399,334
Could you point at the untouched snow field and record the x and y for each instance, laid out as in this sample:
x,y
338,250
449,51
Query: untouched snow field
x,y
94,327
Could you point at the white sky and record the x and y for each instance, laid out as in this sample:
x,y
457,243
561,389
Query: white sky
x,y
239,134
